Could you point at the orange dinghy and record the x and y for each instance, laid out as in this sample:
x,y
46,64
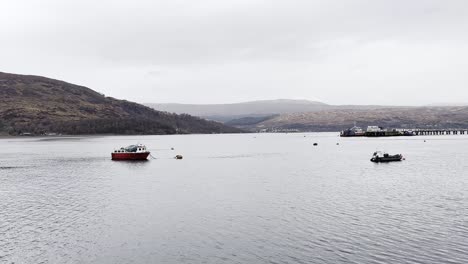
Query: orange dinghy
x,y
132,152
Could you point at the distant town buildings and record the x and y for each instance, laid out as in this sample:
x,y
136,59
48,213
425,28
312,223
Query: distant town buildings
x,y
278,130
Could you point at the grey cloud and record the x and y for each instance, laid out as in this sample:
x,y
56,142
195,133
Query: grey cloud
x,y
248,49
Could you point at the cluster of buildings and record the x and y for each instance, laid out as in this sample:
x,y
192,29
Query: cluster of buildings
x,y
374,131
278,130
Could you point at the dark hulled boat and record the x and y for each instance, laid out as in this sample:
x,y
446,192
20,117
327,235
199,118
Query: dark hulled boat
x,y
379,156
132,152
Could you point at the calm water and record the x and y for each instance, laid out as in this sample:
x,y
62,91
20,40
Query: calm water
x,y
265,198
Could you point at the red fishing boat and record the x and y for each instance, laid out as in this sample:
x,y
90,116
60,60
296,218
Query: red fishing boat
x,y
132,152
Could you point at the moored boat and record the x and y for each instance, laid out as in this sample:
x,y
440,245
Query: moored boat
x,y
132,152
380,156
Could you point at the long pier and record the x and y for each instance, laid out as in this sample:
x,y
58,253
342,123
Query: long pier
x,y
432,132
404,132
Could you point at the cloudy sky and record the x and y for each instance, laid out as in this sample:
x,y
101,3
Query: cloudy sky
x,y
395,52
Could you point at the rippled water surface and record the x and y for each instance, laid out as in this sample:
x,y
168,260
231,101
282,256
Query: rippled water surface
x,y
254,198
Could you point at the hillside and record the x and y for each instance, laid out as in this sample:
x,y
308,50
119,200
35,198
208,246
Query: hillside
x,y
249,113
255,109
315,116
339,119
34,104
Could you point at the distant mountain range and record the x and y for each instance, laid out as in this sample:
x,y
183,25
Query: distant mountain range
x,y
227,112
302,115
38,105
448,104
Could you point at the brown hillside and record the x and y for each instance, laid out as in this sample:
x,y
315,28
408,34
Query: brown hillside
x,y
37,105
338,119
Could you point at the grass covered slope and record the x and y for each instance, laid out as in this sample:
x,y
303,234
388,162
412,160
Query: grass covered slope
x,y
37,105
339,119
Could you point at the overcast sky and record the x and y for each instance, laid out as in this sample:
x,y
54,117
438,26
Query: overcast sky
x,y
221,51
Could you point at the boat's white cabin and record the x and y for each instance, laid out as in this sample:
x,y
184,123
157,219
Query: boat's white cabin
x,y
379,154
132,149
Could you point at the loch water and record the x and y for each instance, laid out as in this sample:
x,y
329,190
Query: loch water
x,y
249,198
